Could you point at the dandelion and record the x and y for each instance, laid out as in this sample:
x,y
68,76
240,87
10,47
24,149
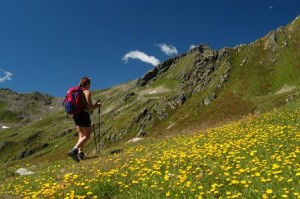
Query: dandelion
x,y
269,191
252,153
275,166
168,194
166,177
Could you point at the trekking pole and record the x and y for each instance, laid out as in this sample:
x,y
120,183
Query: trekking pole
x,y
95,137
99,131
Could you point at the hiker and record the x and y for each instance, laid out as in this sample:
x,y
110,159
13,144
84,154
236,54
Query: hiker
x,y
83,121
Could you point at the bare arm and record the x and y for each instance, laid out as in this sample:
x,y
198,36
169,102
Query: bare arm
x,y
89,103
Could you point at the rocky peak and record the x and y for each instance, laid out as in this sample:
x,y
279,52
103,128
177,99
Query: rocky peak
x,y
202,50
159,69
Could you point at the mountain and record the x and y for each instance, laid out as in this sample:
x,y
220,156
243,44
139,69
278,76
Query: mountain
x,y
198,89
20,109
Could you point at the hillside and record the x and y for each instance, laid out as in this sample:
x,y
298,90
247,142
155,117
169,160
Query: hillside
x,y
19,109
196,90
256,157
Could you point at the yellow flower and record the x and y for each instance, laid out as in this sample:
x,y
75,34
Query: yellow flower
x,y
228,192
167,177
168,194
269,191
242,170
252,153
275,166
188,183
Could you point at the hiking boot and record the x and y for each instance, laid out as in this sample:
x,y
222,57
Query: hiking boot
x,y
80,155
73,153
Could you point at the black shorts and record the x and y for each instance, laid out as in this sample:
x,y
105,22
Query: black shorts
x,y
82,119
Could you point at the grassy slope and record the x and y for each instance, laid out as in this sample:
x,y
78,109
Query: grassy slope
x,y
256,157
250,89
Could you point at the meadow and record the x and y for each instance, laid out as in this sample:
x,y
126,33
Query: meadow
x,y
255,157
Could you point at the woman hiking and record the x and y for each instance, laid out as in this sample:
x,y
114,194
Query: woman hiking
x,y
83,121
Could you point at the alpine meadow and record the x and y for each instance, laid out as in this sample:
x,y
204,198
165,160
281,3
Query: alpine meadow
x,y
206,124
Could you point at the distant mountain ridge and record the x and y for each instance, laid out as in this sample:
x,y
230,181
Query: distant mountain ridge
x,y
198,89
16,108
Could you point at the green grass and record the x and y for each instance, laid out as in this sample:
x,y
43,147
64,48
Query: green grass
x,y
9,117
2,105
257,157
166,82
170,79
250,90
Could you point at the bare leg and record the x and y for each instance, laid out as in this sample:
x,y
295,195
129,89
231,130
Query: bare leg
x,y
81,136
84,135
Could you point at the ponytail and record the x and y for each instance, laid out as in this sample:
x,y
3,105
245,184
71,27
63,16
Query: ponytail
x,y
84,81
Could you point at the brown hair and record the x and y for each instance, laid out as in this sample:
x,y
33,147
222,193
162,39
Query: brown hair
x,y
84,81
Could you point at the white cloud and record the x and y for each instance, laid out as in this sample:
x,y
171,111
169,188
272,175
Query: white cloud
x,y
192,46
271,7
168,49
7,76
141,56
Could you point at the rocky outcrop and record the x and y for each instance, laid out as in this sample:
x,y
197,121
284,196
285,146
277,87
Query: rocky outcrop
x,y
31,150
193,80
32,138
147,77
159,69
5,144
209,99
201,74
23,171
271,42
126,97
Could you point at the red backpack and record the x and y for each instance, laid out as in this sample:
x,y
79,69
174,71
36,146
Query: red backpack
x,y
74,100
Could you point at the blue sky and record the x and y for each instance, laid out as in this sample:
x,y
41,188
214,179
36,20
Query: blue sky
x,y
48,45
